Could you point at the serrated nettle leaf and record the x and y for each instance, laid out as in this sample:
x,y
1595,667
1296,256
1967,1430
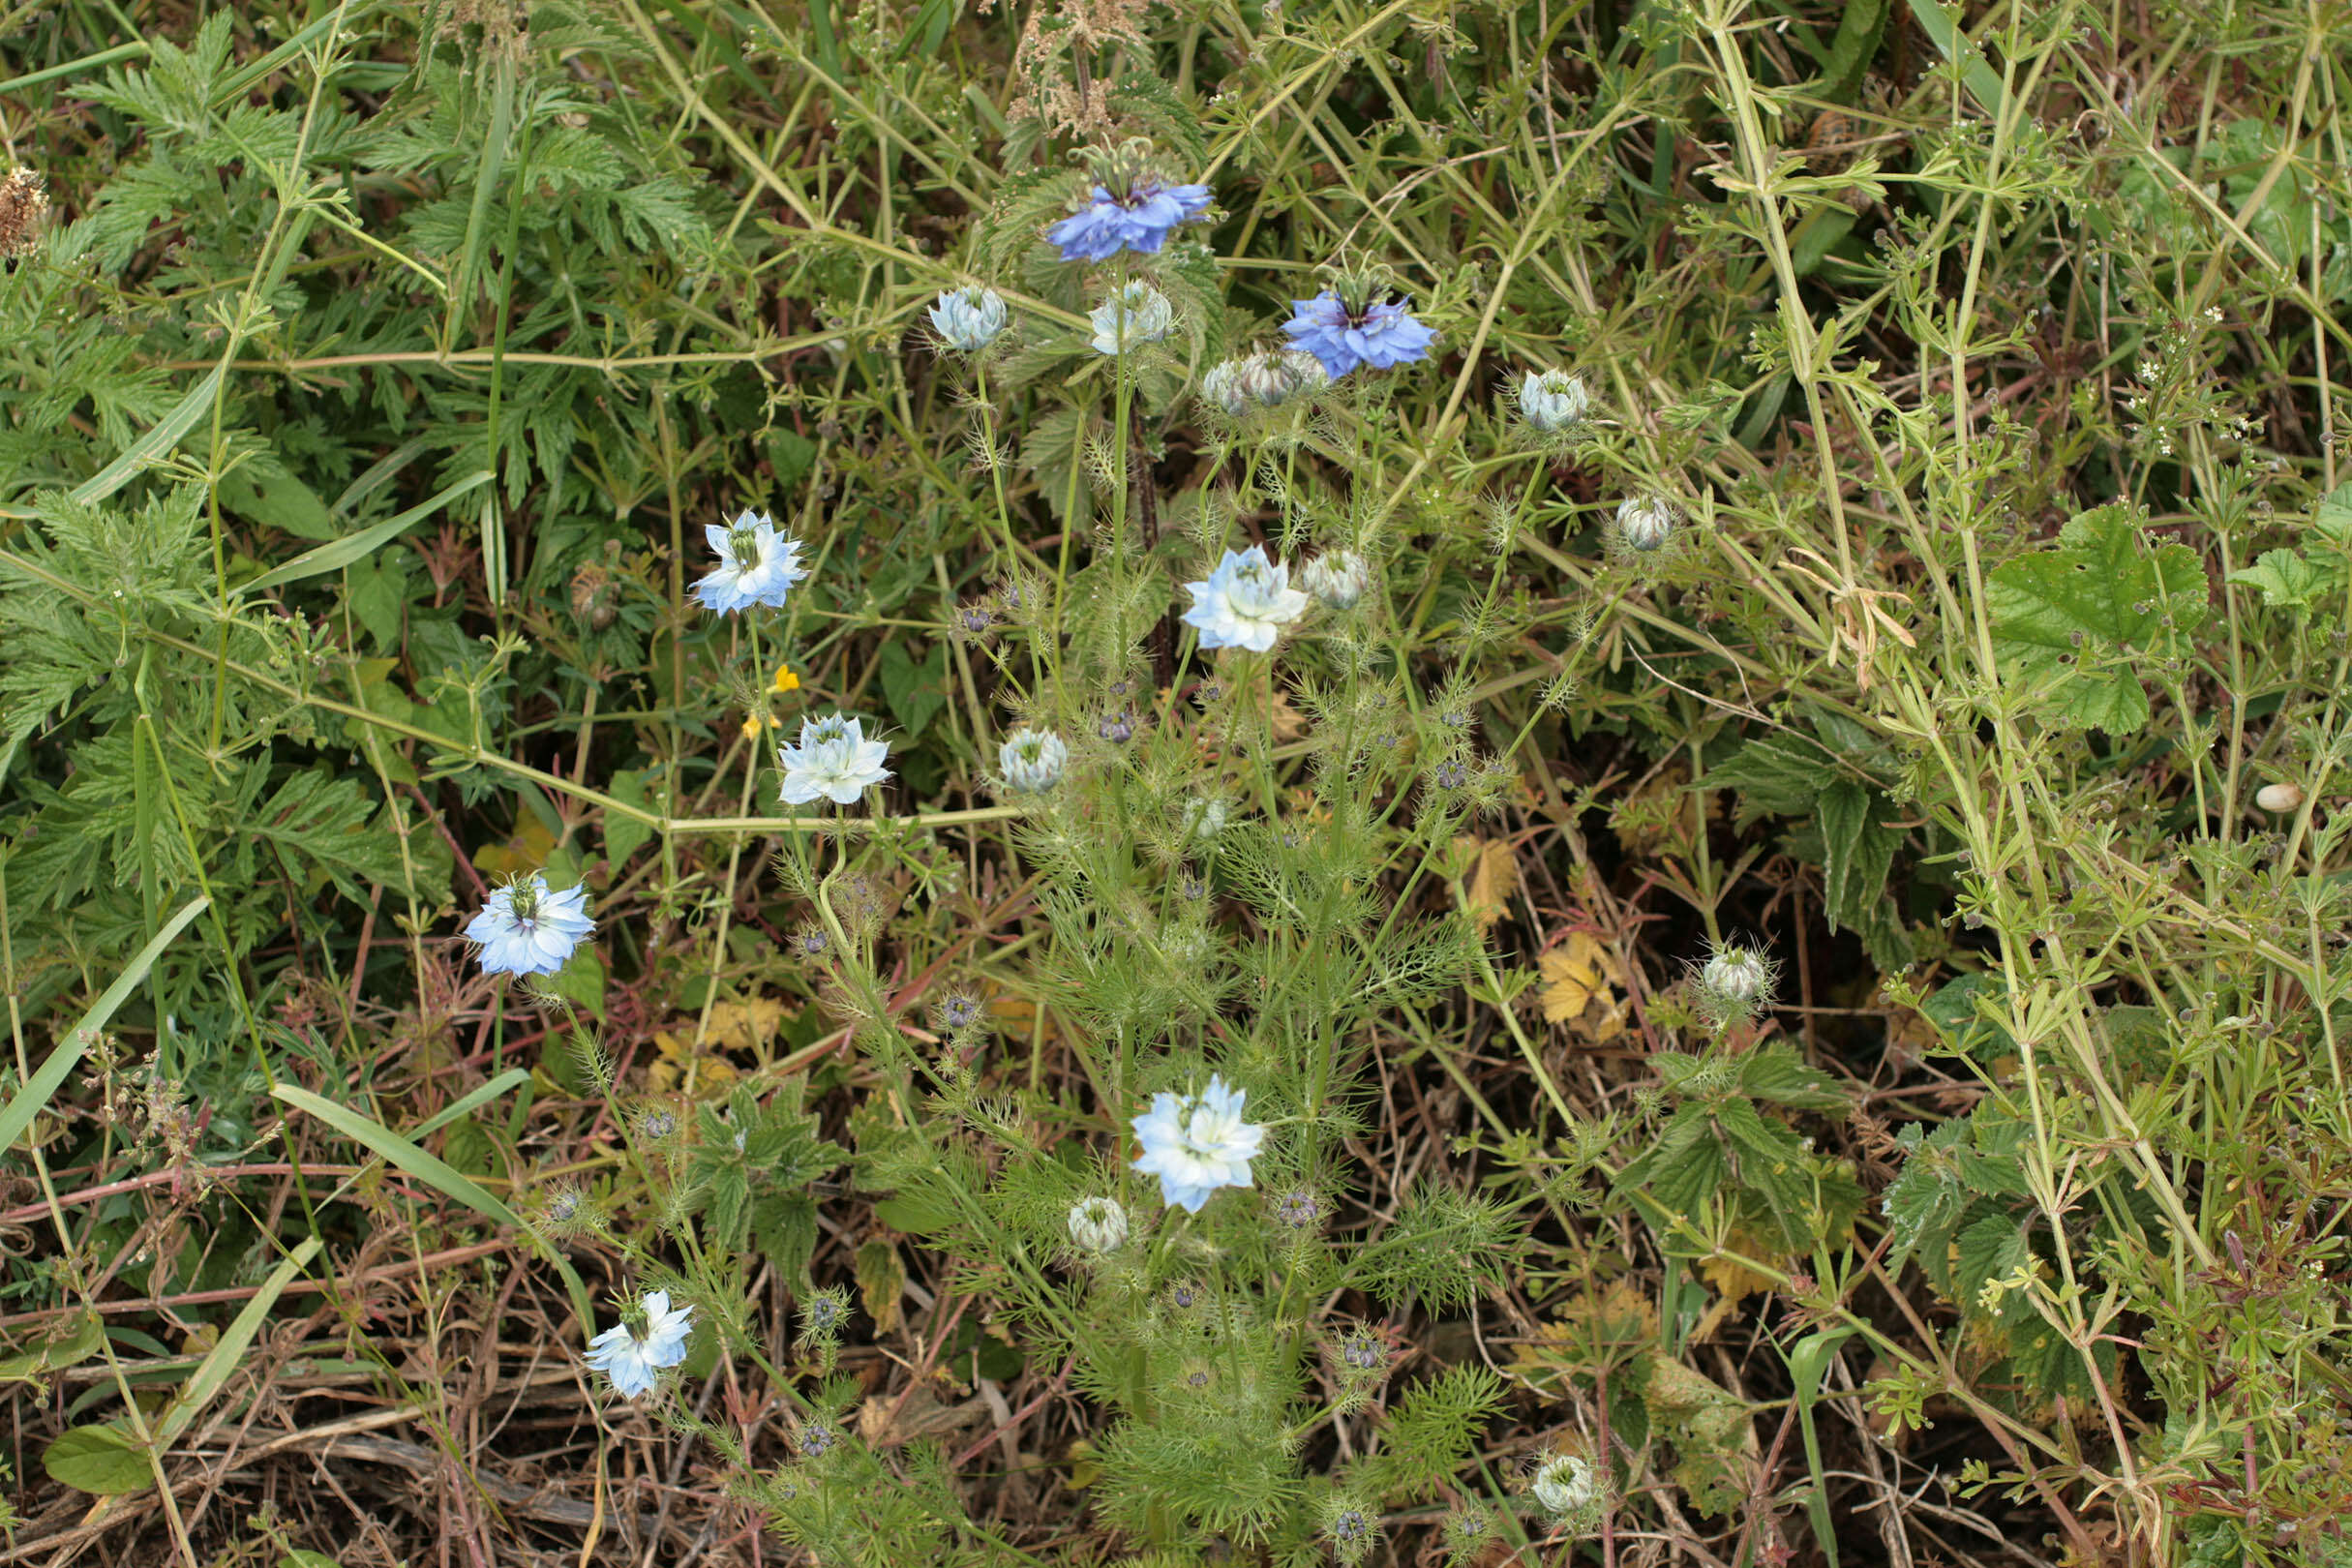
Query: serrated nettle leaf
x,y
1861,848
2289,579
2084,616
2333,516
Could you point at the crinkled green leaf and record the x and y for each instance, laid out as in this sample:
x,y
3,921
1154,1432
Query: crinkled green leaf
x,y
2080,616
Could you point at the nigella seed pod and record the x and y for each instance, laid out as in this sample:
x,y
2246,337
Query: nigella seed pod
x,y
2279,797
1646,522
1098,1225
1553,400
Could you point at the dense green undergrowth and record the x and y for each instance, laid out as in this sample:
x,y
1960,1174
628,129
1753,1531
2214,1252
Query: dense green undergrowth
x,y
1788,941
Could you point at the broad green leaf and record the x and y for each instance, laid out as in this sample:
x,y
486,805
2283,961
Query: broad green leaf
x,y
1944,28
70,1046
623,835
1990,1251
53,1355
1861,848
580,981
2080,615
1776,775
2287,578
106,1461
279,499
1776,1072
2333,517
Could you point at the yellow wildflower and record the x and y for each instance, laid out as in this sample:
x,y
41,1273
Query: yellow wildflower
x,y
785,679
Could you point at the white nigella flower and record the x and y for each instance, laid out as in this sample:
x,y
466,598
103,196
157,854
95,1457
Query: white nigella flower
x,y
647,1339
1645,520
1135,314
1098,1225
1205,818
1245,603
526,929
1554,400
833,759
969,319
1033,759
1564,1483
757,566
1336,578
1197,1144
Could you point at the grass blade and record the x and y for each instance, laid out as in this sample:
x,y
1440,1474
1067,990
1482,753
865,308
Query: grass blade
x,y
337,554
161,439
435,1173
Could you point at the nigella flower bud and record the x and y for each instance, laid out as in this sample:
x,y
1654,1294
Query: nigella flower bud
x,y
1337,579
1098,1225
1554,400
1646,522
1564,1484
1033,759
969,319
1741,976
1117,728
1135,314
1221,386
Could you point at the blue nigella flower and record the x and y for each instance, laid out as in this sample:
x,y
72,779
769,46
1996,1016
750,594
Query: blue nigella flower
x,y
1379,335
1196,1145
526,929
1140,218
756,565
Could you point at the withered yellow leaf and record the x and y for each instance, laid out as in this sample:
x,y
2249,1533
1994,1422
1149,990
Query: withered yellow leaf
x,y
1493,877
1576,974
519,856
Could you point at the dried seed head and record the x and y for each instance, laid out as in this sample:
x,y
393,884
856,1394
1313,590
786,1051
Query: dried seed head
x,y
24,200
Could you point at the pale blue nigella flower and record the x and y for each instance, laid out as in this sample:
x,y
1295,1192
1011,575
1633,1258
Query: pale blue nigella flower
x,y
1140,219
526,929
634,1351
1380,334
1195,1146
1033,759
757,566
1135,314
1245,603
833,759
969,319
